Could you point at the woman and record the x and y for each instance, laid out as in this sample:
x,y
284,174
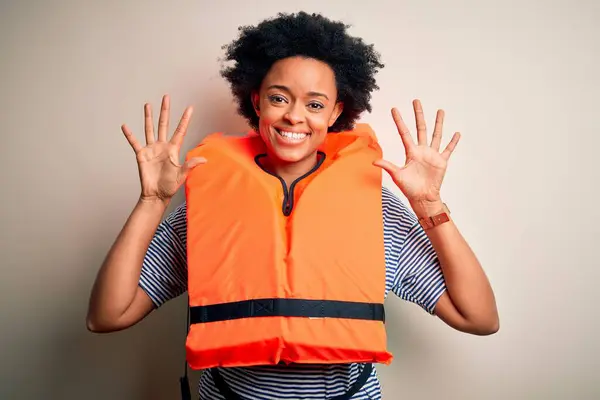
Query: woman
x,y
297,78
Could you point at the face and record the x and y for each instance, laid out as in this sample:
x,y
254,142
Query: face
x,y
296,104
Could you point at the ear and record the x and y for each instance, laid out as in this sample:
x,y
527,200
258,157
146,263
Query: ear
x,y
337,111
254,97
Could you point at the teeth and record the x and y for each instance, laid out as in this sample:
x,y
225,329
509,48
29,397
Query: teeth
x,y
293,135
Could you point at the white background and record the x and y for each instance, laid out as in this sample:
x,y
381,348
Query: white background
x,y
517,79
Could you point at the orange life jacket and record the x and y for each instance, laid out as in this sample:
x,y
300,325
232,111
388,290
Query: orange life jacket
x,y
285,275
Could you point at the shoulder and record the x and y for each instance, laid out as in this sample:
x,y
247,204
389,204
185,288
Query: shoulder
x,y
398,220
395,209
164,268
176,222
178,216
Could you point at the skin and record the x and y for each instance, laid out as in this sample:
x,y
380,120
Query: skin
x,y
469,304
297,95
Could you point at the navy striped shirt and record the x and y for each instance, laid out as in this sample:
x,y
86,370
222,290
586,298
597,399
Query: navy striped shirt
x,y
412,272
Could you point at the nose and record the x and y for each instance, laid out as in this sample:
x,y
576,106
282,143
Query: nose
x,y
294,115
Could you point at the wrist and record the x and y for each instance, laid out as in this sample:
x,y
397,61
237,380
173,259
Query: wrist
x,y
429,208
154,203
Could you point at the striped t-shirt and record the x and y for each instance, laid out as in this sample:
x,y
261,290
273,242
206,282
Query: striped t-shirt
x,y
412,272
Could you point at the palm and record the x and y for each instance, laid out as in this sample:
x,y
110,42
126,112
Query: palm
x,y
422,175
161,174
159,169
420,179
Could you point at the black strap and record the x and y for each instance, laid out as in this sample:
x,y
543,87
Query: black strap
x,y
223,387
360,382
184,383
287,308
229,394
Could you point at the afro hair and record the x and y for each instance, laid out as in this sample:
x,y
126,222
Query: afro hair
x,y
307,35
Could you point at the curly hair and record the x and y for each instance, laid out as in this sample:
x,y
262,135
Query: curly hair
x,y
307,35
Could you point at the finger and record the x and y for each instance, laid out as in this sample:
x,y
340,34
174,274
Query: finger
x,y
191,164
437,130
148,125
451,146
407,140
421,126
181,130
163,120
131,139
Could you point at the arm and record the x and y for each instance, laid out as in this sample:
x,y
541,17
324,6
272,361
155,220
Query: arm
x,y
119,298
468,304
117,301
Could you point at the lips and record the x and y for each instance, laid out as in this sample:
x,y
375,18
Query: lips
x,y
292,137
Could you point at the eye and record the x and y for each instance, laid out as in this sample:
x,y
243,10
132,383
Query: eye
x,y
316,106
277,98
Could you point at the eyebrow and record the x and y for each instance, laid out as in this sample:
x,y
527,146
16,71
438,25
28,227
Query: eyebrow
x,y
285,88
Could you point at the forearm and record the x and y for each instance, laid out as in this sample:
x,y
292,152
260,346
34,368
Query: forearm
x,y
117,280
467,284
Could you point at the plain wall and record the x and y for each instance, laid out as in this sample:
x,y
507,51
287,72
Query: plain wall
x,y
518,79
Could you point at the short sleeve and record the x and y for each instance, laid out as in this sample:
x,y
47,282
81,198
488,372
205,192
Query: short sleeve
x,y
164,269
420,278
416,274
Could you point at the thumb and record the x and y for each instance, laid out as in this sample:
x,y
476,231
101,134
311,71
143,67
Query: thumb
x,y
387,166
191,164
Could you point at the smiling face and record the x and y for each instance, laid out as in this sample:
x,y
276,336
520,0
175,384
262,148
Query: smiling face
x,y
296,104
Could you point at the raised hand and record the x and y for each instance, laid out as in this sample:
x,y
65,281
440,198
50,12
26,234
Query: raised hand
x,y
160,172
420,179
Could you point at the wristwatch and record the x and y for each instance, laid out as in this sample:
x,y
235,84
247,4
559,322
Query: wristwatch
x,y
435,220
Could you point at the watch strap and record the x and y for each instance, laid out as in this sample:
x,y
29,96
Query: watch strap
x,y
435,220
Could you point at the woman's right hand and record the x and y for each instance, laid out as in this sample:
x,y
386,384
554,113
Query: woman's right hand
x,y
160,172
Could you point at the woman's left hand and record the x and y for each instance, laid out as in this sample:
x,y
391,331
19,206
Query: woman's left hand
x,y
420,179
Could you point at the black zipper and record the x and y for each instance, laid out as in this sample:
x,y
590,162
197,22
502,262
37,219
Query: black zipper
x,y
288,195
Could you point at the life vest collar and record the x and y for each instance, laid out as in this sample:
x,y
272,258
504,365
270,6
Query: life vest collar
x,y
288,194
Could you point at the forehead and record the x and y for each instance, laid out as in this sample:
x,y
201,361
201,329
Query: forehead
x,y
303,74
